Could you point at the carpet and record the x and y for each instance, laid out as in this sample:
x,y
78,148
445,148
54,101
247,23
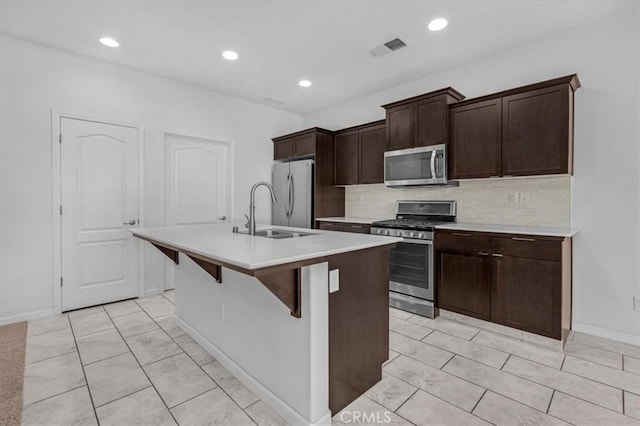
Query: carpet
x,y
13,339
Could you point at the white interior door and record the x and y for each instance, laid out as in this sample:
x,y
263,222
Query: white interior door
x,y
99,194
196,184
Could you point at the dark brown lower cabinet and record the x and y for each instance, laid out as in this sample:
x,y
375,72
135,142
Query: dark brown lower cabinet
x,y
518,281
358,228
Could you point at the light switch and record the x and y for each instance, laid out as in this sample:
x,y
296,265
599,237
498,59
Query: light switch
x,y
334,280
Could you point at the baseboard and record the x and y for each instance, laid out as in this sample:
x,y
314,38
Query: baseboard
x,y
152,292
29,316
606,333
279,406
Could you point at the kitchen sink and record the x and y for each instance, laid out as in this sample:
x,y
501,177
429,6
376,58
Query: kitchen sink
x,y
279,234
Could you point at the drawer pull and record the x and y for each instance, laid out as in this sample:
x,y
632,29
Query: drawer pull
x,y
522,239
482,253
355,226
497,255
460,234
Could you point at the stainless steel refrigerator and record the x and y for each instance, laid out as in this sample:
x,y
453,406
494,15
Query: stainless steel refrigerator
x,y
293,185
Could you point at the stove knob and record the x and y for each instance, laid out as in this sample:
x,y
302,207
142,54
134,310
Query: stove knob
x,y
386,232
420,235
411,234
379,231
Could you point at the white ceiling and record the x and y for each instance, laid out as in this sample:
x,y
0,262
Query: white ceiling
x,y
281,42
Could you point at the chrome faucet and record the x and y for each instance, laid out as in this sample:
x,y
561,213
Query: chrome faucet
x,y
252,205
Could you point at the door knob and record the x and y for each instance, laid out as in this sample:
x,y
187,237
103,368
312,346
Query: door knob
x,y
130,223
223,218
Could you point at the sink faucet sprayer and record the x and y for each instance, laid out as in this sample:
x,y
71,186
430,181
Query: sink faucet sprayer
x,y
252,205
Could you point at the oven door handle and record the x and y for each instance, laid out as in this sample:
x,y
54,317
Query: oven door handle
x,y
422,242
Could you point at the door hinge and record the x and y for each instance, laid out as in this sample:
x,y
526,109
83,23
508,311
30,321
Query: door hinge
x,y
60,138
61,281
60,210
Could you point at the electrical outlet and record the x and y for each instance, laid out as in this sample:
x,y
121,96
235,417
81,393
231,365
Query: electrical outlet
x,y
513,197
523,198
334,280
636,303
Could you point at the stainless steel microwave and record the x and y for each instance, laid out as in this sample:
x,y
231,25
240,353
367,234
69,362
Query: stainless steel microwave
x,y
425,165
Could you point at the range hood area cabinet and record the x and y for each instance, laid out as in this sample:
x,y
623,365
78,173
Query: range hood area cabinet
x,y
525,131
359,154
421,120
316,143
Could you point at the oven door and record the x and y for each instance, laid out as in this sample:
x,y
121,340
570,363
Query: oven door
x,y
411,268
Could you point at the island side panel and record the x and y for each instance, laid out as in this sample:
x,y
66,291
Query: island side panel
x,y
242,319
358,324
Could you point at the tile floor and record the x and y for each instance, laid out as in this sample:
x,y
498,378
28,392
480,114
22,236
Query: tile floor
x,y
128,363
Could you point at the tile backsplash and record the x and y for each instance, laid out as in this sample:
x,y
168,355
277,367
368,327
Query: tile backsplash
x,y
529,201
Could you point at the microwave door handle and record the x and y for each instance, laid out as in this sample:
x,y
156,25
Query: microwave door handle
x,y
433,165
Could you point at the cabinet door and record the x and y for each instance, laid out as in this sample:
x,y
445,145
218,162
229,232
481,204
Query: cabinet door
x,y
305,145
346,158
526,294
400,127
430,122
283,149
536,128
372,146
331,226
464,283
475,139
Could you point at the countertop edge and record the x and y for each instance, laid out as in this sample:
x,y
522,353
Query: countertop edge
x,y
511,229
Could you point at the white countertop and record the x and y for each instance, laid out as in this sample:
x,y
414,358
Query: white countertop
x,y
509,229
216,241
365,220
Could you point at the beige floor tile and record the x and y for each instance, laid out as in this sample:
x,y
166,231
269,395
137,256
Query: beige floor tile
x,y
232,386
446,326
408,329
170,295
607,344
483,354
579,412
568,383
419,350
85,311
99,346
391,392
141,408
152,346
51,377
632,405
592,353
194,350
505,384
47,325
214,406
503,411
91,323
263,415
397,313
48,345
132,324
523,349
364,411
603,374
436,382
178,378
157,306
69,408
427,410
170,326
631,365
114,378
119,309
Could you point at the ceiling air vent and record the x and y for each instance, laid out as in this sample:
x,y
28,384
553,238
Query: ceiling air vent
x,y
272,101
387,47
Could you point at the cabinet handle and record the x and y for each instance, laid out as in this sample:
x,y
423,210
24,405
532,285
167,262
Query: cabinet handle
x,y
459,234
497,255
482,253
522,239
355,226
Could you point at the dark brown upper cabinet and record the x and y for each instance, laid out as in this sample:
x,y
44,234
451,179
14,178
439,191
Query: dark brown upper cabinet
x,y
420,120
299,144
359,154
525,131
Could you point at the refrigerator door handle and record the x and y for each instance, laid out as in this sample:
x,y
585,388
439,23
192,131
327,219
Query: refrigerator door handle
x,y
288,189
291,198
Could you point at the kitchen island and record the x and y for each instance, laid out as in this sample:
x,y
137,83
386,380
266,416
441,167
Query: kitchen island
x,y
264,307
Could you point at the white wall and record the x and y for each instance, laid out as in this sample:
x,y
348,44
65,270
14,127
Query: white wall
x,y
34,80
606,190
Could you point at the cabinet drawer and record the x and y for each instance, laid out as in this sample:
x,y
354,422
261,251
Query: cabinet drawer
x,y
463,241
331,226
529,247
354,227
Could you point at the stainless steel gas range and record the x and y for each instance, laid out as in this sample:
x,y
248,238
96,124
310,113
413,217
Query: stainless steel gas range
x,y
411,262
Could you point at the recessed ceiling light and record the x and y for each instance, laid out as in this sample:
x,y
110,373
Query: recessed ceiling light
x,y
304,83
230,55
108,41
437,24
